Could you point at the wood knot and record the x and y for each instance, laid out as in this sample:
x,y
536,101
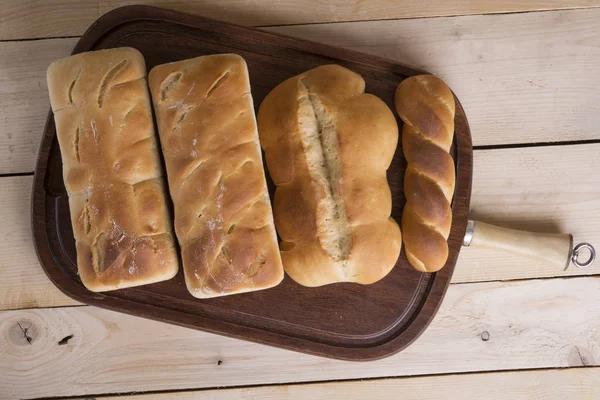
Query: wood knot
x,y
485,336
65,340
23,332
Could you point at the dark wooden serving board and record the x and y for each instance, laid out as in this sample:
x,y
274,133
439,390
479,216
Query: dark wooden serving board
x,y
346,321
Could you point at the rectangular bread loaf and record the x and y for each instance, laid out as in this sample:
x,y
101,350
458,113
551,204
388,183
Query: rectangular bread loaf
x,y
111,169
223,217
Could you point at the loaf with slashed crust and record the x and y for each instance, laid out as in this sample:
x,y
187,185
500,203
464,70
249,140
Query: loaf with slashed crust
x,y
328,146
223,217
111,169
426,106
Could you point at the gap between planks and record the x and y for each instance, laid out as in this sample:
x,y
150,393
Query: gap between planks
x,y
54,18
523,188
490,326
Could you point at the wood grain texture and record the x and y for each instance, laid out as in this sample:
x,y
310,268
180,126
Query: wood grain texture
x,y
23,284
532,82
24,100
548,384
515,188
513,73
39,18
480,327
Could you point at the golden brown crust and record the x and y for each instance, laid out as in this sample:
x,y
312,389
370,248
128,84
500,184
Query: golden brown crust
x,y
426,105
223,217
328,146
111,169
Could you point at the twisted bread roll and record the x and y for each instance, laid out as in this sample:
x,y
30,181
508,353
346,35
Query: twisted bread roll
x,y
426,106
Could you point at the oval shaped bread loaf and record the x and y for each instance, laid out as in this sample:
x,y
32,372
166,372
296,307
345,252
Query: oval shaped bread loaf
x,y
426,106
328,146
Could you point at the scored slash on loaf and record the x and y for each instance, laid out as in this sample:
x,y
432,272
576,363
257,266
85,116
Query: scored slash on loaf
x,y
111,169
328,146
426,106
223,216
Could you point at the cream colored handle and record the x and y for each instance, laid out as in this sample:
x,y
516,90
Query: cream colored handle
x,y
555,249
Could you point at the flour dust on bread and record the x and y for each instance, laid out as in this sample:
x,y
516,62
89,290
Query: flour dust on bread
x,y
111,169
426,106
328,146
223,216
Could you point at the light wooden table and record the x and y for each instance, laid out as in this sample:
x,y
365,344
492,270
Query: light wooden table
x,y
530,84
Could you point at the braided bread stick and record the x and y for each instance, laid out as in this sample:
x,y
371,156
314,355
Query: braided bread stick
x,y
426,106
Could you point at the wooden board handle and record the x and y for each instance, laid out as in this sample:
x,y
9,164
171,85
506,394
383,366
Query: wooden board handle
x,y
555,249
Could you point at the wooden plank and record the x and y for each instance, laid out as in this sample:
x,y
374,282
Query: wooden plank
x,y
24,100
549,384
26,19
23,284
480,327
520,188
533,82
522,78
35,18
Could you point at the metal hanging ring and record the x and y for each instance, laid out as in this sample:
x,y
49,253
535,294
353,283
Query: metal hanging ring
x,y
575,255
